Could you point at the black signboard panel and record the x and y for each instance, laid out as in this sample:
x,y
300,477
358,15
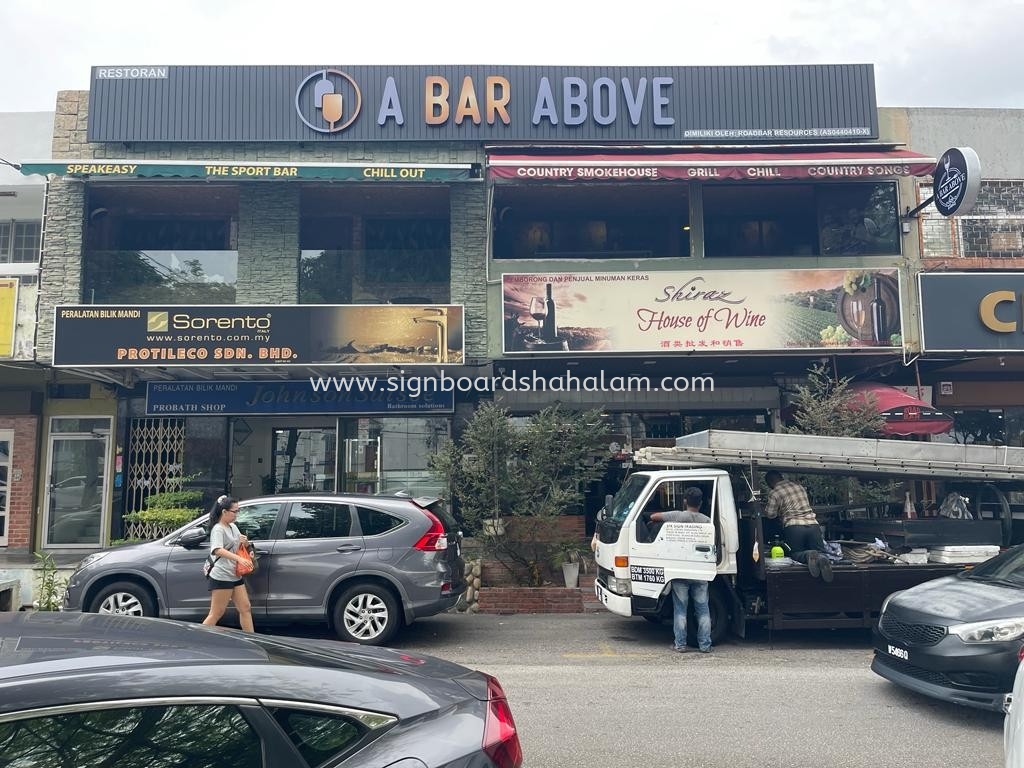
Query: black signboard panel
x,y
711,105
972,311
245,335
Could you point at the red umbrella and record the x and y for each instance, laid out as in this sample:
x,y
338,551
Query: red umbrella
x,y
904,414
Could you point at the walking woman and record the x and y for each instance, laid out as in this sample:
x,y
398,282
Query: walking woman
x,y
224,585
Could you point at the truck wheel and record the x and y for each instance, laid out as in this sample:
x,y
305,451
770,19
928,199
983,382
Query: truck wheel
x,y
719,616
367,614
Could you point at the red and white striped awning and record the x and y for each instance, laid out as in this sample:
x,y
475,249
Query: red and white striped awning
x,y
707,166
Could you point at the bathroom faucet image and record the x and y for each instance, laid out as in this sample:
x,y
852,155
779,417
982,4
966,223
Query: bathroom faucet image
x,y
440,319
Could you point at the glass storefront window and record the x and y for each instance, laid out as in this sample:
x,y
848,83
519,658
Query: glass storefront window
x,y
79,424
303,460
387,455
982,426
745,421
160,244
374,246
160,277
591,222
801,220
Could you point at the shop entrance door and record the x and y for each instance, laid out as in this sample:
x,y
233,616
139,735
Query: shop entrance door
x,y
392,454
77,488
362,465
303,460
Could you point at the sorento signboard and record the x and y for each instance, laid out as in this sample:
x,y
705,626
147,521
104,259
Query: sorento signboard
x,y
257,335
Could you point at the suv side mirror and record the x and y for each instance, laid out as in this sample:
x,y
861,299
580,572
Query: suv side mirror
x,y
192,538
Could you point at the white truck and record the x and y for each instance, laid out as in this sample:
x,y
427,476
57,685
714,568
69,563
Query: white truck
x,y
637,560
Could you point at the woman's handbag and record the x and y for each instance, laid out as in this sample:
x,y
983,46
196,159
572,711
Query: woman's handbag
x,y
247,564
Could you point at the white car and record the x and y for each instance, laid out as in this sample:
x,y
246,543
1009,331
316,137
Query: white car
x,y
1013,725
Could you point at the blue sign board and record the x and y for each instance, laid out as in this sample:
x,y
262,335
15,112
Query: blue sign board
x,y
360,396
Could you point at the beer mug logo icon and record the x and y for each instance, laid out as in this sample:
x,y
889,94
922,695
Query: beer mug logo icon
x,y
328,101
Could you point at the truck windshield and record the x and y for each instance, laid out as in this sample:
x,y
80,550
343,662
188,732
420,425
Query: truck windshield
x,y
624,500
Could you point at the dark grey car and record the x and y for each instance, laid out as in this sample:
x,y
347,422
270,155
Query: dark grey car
x,y
365,564
91,691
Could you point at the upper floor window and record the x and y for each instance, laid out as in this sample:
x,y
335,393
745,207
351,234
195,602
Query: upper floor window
x,y
160,244
374,245
19,242
801,220
591,222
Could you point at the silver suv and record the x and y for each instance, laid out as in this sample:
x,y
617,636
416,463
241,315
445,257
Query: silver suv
x,y
365,564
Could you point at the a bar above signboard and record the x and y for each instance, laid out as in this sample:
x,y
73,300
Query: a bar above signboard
x,y
213,170
257,335
332,395
717,311
457,102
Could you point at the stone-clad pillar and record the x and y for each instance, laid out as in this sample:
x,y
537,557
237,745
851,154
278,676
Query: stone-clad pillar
x,y
468,203
268,243
60,268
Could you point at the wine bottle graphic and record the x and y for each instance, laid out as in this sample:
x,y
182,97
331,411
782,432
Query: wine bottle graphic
x,y
549,327
878,319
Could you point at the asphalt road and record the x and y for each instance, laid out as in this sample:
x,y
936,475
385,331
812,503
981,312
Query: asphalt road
x,y
596,690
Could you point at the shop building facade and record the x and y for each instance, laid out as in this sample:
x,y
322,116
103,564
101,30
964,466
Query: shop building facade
x,y
734,223
971,279
22,383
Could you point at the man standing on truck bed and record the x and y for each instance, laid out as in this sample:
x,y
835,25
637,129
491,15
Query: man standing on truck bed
x,y
682,589
800,528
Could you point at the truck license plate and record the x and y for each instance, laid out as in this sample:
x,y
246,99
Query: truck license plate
x,y
899,653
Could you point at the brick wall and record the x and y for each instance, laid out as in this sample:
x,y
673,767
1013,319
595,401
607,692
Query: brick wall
x,y
532,600
21,504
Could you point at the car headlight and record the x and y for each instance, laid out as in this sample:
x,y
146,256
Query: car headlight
x,y
90,559
885,603
996,631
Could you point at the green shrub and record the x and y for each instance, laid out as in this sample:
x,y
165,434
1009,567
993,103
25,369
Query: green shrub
x,y
169,510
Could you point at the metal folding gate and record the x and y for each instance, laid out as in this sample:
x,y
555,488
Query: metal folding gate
x,y
154,464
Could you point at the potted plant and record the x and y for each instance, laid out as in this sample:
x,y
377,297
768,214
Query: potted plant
x,y
571,556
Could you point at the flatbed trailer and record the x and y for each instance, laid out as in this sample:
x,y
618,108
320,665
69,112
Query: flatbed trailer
x,y
745,589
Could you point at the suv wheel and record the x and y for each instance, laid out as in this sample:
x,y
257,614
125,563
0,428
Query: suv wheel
x,y
367,614
125,598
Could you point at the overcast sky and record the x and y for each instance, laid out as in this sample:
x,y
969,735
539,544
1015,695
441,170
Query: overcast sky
x,y
937,53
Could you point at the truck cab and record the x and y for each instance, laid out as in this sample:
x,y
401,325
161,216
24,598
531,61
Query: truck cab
x,y
637,559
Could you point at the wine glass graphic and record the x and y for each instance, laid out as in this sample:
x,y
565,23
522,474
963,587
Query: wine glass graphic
x,y
329,102
858,312
538,310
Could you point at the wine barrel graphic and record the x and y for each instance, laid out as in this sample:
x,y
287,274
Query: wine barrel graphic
x,y
854,311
